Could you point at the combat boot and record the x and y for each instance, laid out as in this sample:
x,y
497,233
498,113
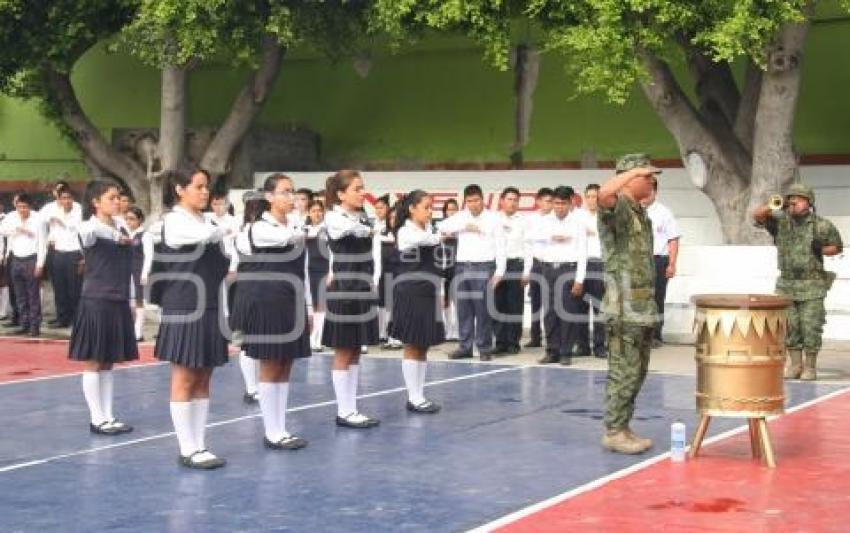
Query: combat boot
x,y
643,442
795,364
810,369
619,441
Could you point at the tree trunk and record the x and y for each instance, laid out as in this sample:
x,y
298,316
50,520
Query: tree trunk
x,y
248,104
775,162
90,141
172,132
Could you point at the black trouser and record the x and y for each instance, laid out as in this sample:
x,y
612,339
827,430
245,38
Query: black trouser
x,y
661,262
509,302
536,297
27,291
594,291
66,284
11,284
563,311
472,282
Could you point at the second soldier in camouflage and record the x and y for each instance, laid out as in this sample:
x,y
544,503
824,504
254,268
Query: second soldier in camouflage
x,y
802,240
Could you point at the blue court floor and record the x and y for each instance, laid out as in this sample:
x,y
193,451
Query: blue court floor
x,y
507,437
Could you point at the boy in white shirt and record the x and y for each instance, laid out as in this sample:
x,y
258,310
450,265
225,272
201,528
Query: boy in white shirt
x,y
28,245
480,265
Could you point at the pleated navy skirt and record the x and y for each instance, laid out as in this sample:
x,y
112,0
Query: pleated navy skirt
x,y
417,319
350,323
103,331
191,343
273,333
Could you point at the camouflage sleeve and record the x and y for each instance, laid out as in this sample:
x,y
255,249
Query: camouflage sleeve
x,y
611,216
828,234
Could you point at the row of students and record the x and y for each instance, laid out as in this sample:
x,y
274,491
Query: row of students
x,y
269,308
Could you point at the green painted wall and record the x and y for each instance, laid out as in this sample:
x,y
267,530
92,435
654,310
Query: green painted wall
x,y
439,103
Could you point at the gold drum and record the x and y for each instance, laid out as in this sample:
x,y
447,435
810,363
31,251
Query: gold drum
x,y
740,354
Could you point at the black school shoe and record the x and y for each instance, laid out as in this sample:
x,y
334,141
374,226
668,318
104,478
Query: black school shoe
x,y
548,359
460,354
427,407
290,442
111,427
251,397
191,461
364,423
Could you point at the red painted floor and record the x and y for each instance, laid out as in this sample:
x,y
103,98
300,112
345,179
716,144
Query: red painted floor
x,y
724,490
22,359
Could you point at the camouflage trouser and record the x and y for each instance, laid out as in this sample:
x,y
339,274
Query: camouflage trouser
x,y
628,361
805,324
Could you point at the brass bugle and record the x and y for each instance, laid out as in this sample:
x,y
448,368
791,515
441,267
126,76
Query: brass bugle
x,y
776,202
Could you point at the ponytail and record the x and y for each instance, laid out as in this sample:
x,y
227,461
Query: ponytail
x,y
402,208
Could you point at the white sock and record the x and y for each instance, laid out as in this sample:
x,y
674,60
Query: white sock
x,y
106,394
91,391
353,382
249,372
181,417
200,413
383,320
410,371
318,326
282,402
139,322
269,407
341,379
4,301
420,378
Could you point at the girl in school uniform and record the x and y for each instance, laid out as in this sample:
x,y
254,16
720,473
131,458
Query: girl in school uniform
x,y
384,252
190,337
140,244
416,318
102,333
318,266
449,250
272,309
254,206
351,321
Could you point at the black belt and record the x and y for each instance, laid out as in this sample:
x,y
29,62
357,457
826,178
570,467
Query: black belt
x,y
25,257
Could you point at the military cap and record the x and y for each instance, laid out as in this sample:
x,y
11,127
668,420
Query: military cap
x,y
630,161
803,190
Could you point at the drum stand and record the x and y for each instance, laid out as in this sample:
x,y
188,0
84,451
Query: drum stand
x,y
759,439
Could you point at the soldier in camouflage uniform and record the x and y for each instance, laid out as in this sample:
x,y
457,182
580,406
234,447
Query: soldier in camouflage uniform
x,y
802,239
629,304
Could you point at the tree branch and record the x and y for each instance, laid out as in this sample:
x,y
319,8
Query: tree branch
x,y
88,138
715,85
690,129
244,110
745,121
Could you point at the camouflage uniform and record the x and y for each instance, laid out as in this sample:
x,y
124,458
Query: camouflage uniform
x,y
802,276
629,304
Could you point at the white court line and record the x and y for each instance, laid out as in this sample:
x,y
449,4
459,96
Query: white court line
x,y
46,460
596,483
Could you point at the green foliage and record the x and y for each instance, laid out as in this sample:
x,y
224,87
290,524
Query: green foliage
x,y
604,38
487,21
183,32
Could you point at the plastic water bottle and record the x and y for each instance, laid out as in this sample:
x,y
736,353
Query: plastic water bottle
x,y
677,442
